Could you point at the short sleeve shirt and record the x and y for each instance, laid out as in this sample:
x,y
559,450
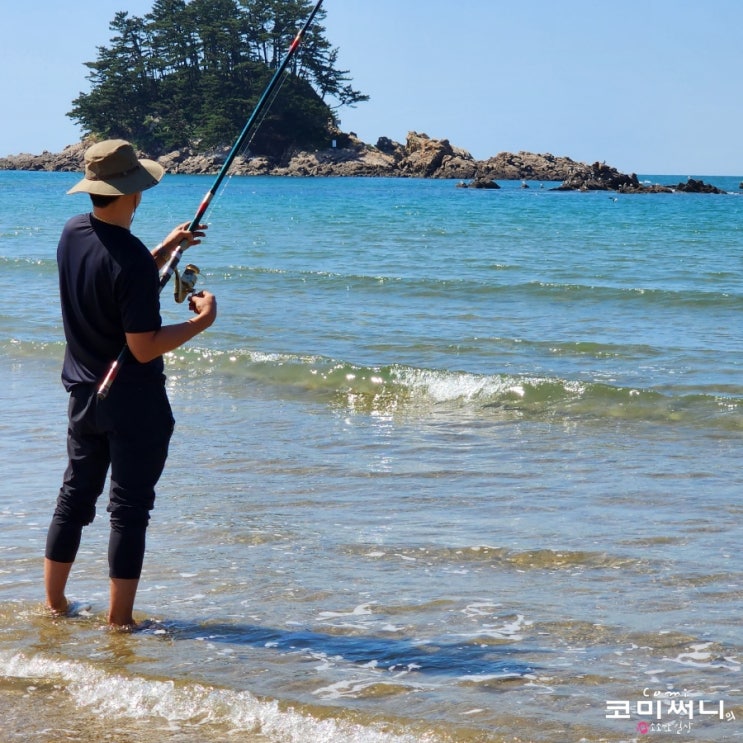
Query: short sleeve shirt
x,y
109,285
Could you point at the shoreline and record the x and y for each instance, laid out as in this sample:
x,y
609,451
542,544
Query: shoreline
x,y
420,157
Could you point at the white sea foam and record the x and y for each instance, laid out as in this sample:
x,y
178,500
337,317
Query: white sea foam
x,y
196,705
360,610
699,656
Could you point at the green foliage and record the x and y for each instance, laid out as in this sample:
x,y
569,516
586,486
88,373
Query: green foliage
x,y
190,73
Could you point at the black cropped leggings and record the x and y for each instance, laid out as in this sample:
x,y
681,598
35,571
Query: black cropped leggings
x,y
129,432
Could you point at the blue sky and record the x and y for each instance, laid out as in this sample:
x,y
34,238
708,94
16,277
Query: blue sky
x,y
649,86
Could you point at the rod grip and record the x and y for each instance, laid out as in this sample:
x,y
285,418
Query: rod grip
x,y
105,386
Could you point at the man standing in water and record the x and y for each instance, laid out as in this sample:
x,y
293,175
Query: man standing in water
x,y
109,290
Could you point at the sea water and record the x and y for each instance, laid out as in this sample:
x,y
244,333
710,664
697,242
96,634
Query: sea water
x,y
452,465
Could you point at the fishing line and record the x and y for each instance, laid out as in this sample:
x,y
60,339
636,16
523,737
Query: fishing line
x,y
244,152
247,134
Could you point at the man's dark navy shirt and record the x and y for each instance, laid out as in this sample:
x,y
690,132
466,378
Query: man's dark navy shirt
x,y
109,285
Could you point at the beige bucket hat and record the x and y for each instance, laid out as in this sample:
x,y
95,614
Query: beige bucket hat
x,y
113,169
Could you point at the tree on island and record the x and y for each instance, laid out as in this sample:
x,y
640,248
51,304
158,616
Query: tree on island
x,y
188,74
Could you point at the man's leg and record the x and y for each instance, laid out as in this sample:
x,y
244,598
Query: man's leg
x,y
55,580
121,607
126,547
83,482
141,424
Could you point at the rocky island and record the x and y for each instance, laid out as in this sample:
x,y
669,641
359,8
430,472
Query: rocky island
x,y
420,157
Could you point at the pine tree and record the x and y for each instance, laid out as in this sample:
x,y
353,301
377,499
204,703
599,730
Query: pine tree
x,y
190,73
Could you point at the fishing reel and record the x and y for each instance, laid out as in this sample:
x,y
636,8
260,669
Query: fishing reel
x,y
184,282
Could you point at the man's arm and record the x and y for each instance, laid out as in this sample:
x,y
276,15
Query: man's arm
x,y
148,346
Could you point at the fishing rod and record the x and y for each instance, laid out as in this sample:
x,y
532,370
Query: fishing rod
x,y
187,281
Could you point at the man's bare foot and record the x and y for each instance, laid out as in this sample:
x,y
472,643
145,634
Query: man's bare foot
x,y
124,629
59,610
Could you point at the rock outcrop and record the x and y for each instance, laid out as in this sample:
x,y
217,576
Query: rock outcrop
x,y
601,177
69,160
529,166
419,157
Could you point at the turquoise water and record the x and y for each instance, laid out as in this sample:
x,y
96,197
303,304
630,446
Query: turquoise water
x,y
451,466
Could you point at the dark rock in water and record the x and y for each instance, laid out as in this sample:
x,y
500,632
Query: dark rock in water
x,y
480,182
601,177
697,186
